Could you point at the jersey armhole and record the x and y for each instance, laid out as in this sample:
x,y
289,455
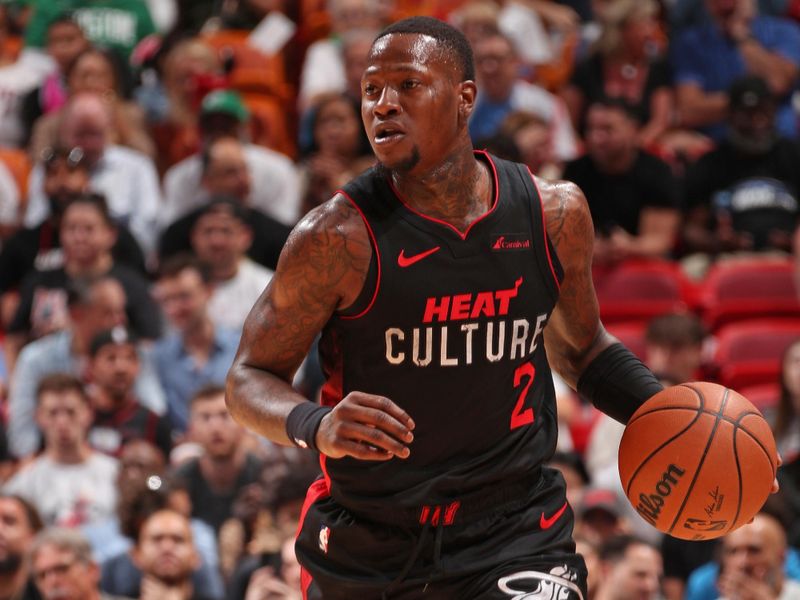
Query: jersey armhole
x,y
556,269
369,291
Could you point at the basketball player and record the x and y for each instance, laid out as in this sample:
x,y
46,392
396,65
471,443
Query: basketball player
x,y
438,279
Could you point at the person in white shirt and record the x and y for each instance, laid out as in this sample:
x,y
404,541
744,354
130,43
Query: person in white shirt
x,y
220,239
127,178
69,483
275,188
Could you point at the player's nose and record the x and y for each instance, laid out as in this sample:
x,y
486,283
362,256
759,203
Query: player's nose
x,y
388,103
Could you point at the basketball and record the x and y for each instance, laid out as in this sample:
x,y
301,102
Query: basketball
x,y
697,460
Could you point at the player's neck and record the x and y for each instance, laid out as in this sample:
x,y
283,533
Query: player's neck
x,y
458,190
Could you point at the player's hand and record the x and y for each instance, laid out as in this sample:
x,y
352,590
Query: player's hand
x,y
367,427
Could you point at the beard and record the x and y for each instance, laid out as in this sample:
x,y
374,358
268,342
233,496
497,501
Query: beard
x,y
404,165
10,564
754,146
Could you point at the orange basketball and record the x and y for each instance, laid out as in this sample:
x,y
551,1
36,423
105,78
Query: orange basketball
x,y
697,460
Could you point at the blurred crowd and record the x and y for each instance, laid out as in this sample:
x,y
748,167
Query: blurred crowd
x,y
154,157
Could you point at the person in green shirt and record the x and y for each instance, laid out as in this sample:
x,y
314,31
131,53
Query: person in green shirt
x,y
117,24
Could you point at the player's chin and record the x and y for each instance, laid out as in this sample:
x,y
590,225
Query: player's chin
x,y
399,161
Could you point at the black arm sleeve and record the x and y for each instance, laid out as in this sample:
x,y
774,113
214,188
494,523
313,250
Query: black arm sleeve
x,y
617,383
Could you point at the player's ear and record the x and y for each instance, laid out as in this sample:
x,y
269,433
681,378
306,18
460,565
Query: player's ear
x,y
466,101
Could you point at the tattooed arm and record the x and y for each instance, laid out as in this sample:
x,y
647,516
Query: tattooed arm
x,y
574,335
321,269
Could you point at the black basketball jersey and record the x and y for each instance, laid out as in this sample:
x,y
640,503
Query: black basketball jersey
x,y
450,329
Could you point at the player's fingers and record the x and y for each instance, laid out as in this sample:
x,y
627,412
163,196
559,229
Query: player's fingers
x,y
374,437
363,451
383,404
378,419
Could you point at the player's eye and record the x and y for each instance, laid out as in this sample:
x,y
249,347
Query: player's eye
x,y
370,89
410,84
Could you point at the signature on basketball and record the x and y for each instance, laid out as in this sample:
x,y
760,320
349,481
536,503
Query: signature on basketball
x,y
716,502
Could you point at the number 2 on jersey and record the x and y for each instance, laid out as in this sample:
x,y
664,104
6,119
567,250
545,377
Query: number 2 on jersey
x,y
523,416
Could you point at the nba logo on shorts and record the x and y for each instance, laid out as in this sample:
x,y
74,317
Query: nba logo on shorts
x,y
324,535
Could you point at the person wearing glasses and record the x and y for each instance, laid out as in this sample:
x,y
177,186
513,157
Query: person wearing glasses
x,y
62,567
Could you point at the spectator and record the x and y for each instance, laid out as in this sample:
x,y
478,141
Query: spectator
x,y
118,24
125,177
631,569
745,194
625,65
226,175
144,490
166,555
196,352
285,583
600,515
275,186
69,484
323,68
185,70
16,81
66,176
340,149
787,415
576,476
632,195
65,42
62,567
708,58
532,137
591,557
220,237
19,524
674,344
118,415
751,566
225,466
93,307
95,72
87,235
501,90
264,515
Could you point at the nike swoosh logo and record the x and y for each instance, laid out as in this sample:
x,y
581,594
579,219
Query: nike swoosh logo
x,y
407,261
546,523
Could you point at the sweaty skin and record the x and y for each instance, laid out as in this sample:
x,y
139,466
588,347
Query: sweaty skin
x,y
415,108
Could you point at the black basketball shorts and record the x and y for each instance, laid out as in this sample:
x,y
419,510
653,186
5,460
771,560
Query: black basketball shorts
x,y
518,548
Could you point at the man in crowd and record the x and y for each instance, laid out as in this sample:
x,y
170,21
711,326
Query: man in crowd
x,y
166,555
196,352
220,238
225,467
709,57
128,179
276,187
62,567
68,483
93,307
745,194
632,195
226,174
118,414
19,524
65,177
502,91
631,569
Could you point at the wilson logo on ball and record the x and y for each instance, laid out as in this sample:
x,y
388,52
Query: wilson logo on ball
x,y
649,506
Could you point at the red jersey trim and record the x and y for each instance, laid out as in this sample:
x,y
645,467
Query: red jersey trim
x,y
544,228
377,256
316,491
463,235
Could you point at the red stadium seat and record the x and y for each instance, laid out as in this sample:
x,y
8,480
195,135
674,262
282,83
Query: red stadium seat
x,y
764,396
749,353
741,290
641,290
